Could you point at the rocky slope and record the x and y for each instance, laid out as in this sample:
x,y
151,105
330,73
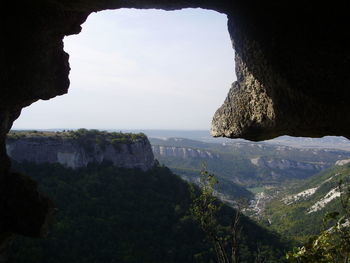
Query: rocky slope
x,y
300,211
78,149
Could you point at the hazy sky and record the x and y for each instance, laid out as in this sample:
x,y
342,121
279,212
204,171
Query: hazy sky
x,y
142,69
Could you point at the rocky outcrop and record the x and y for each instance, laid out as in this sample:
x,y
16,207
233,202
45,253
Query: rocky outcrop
x,y
22,200
285,81
79,152
342,162
284,164
182,152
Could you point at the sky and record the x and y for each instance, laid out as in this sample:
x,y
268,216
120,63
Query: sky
x,y
142,69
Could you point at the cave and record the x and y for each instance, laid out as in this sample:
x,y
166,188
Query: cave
x,y
291,60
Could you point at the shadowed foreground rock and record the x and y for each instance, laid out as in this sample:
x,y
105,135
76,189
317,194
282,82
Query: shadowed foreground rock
x,y
292,61
24,210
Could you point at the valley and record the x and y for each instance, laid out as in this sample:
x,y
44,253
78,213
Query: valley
x,y
108,211
131,193
289,188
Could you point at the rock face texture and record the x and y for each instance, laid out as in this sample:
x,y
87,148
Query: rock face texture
x,y
283,164
74,154
292,61
182,152
342,162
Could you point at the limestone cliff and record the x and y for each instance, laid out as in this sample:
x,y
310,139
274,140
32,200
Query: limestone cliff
x,y
182,152
284,164
78,149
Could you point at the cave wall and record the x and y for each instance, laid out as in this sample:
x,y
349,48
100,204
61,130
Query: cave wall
x,y
291,65
292,59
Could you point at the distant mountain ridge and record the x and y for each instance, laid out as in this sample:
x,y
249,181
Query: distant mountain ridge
x,y
330,142
75,149
245,163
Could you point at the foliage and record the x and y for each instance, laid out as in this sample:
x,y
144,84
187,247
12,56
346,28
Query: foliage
x,y
205,210
332,245
226,237
224,188
291,218
85,138
109,214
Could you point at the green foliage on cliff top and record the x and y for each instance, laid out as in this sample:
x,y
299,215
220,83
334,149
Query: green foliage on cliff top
x,y
93,133
86,138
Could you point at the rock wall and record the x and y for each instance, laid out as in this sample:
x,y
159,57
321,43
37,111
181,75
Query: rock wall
x,y
71,153
284,164
182,152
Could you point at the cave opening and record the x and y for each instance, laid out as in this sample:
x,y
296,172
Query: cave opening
x,y
135,69
292,79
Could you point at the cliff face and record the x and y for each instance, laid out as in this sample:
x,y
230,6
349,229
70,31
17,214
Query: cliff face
x,y
182,152
283,164
78,152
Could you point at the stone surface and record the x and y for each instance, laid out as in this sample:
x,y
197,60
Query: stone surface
x,y
284,164
291,77
183,152
292,67
24,210
74,154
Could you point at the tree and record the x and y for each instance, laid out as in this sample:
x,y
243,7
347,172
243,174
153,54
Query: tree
x,y
205,209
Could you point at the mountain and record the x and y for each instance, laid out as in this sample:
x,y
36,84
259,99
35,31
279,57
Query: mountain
x,y
298,212
330,142
78,148
244,163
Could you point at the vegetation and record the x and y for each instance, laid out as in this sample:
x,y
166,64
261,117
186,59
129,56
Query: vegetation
x,y
80,133
332,245
233,161
205,209
226,234
226,189
108,214
293,219
86,138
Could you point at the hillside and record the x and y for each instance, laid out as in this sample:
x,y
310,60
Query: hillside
x,y
245,163
299,211
109,214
